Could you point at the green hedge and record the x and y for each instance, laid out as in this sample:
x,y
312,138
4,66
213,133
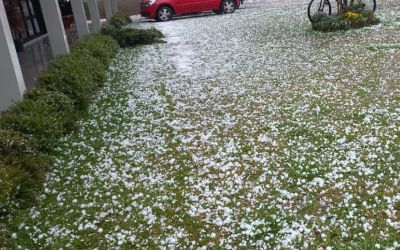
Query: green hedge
x,y
45,118
129,37
77,75
22,169
22,151
30,130
17,188
99,46
120,19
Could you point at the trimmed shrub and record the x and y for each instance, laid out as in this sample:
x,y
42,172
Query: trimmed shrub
x,y
110,31
129,37
98,46
15,144
31,129
20,151
22,170
46,118
77,75
17,189
56,99
120,19
140,36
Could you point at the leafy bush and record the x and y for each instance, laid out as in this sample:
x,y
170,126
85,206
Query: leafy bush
x,y
129,37
110,31
352,19
31,129
355,7
98,46
22,170
21,151
46,118
16,144
77,75
17,189
120,19
56,99
81,73
330,23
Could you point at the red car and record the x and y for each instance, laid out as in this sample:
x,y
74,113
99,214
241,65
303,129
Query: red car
x,y
164,10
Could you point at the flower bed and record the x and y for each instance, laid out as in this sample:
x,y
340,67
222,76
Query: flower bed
x,y
349,19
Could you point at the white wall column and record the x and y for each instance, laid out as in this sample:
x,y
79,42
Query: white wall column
x,y
94,15
12,85
80,17
55,27
114,6
108,9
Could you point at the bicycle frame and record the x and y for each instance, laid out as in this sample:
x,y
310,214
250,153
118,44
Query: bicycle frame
x,y
341,4
321,6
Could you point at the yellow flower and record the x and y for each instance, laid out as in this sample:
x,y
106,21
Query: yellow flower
x,y
352,15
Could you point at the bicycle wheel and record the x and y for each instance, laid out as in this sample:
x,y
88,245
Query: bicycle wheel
x,y
369,5
318,8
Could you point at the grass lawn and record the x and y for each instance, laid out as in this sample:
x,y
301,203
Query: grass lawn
x,y
242,131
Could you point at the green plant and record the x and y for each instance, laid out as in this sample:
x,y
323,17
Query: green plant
x,y
46,118
31,129
371,18
330,23
110,31
77,75
22,170
120,19
99,46
17,189
21,151
128,37
356,7
16,144
352,16
345,21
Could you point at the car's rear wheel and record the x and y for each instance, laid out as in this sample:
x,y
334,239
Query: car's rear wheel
x,y
228,6
164,13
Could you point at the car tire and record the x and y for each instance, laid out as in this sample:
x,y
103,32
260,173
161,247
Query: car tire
x,y
218,12
164,13
228,6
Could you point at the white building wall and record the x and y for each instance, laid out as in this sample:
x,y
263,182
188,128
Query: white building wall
x,y
94,15
108,9
80,17
55,27
12,86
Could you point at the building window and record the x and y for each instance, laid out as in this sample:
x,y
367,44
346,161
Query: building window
x,y
25,18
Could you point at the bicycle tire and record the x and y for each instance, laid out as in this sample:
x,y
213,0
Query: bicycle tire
x,y
371,4
311,16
